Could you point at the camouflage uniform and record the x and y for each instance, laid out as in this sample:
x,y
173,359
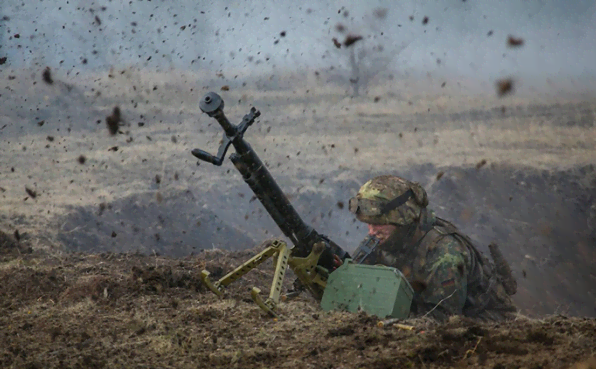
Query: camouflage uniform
x,y
448,274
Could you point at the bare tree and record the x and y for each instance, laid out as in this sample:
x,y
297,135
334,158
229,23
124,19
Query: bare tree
x,y
364,52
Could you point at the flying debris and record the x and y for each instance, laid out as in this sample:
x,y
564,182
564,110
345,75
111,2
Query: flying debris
x,y
504,87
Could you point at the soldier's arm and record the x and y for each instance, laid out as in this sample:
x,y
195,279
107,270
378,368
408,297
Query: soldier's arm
x,y
444,276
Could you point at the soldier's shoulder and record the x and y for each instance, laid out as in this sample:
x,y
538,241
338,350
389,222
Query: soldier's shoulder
x,y
441,240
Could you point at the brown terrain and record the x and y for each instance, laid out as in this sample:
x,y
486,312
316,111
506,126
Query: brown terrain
x,y
122,310
104,236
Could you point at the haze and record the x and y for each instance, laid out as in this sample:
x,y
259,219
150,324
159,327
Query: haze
x,y
461,38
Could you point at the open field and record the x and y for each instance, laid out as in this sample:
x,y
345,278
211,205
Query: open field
x,y
518,171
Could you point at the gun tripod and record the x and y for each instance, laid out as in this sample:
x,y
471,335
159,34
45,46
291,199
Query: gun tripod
x,y
312,256
312,276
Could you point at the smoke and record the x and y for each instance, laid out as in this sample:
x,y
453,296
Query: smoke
x,y
82,35
462,37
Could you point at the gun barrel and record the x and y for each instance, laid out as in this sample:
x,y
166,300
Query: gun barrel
x,y
257,176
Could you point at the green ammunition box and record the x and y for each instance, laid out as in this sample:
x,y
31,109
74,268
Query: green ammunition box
x,y
375,289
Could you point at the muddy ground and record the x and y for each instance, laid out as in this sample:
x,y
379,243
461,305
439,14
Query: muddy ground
x,y
123,310
114,229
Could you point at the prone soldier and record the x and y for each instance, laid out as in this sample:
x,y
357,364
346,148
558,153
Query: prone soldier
x,y
448,274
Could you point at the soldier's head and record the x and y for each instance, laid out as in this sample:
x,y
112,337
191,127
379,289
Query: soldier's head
x,y
388,203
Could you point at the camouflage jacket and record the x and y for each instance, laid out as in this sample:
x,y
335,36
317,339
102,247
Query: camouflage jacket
x,y
448,274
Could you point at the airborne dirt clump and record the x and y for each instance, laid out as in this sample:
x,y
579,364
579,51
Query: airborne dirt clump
x,y
133,310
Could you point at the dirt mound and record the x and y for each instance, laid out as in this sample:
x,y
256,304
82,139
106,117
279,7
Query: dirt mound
x,y
539,218
174,223
7,243
134,310
10,245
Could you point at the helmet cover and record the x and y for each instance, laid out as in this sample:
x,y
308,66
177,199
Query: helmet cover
x,y
389,199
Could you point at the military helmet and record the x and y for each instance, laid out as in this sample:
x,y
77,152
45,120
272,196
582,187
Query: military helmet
x,y
389,199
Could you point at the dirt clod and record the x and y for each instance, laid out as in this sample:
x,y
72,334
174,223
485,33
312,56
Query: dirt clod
x,y
513,41
351,40
113,120
31,192
47,76
504,87
336,43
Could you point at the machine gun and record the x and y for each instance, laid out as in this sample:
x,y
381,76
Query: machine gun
x,y
313,255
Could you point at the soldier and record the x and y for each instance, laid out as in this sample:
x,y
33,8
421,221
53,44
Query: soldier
x,y
448,274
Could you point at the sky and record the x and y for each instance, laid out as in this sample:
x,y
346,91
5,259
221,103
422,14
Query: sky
x,y
463,37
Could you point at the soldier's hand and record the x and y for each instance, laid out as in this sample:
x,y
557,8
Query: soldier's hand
x,y
336,262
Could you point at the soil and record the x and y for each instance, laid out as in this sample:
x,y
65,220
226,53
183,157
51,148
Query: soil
x,y
113,310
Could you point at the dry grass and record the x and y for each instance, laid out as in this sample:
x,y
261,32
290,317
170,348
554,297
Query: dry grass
x,y
331,131
183,326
